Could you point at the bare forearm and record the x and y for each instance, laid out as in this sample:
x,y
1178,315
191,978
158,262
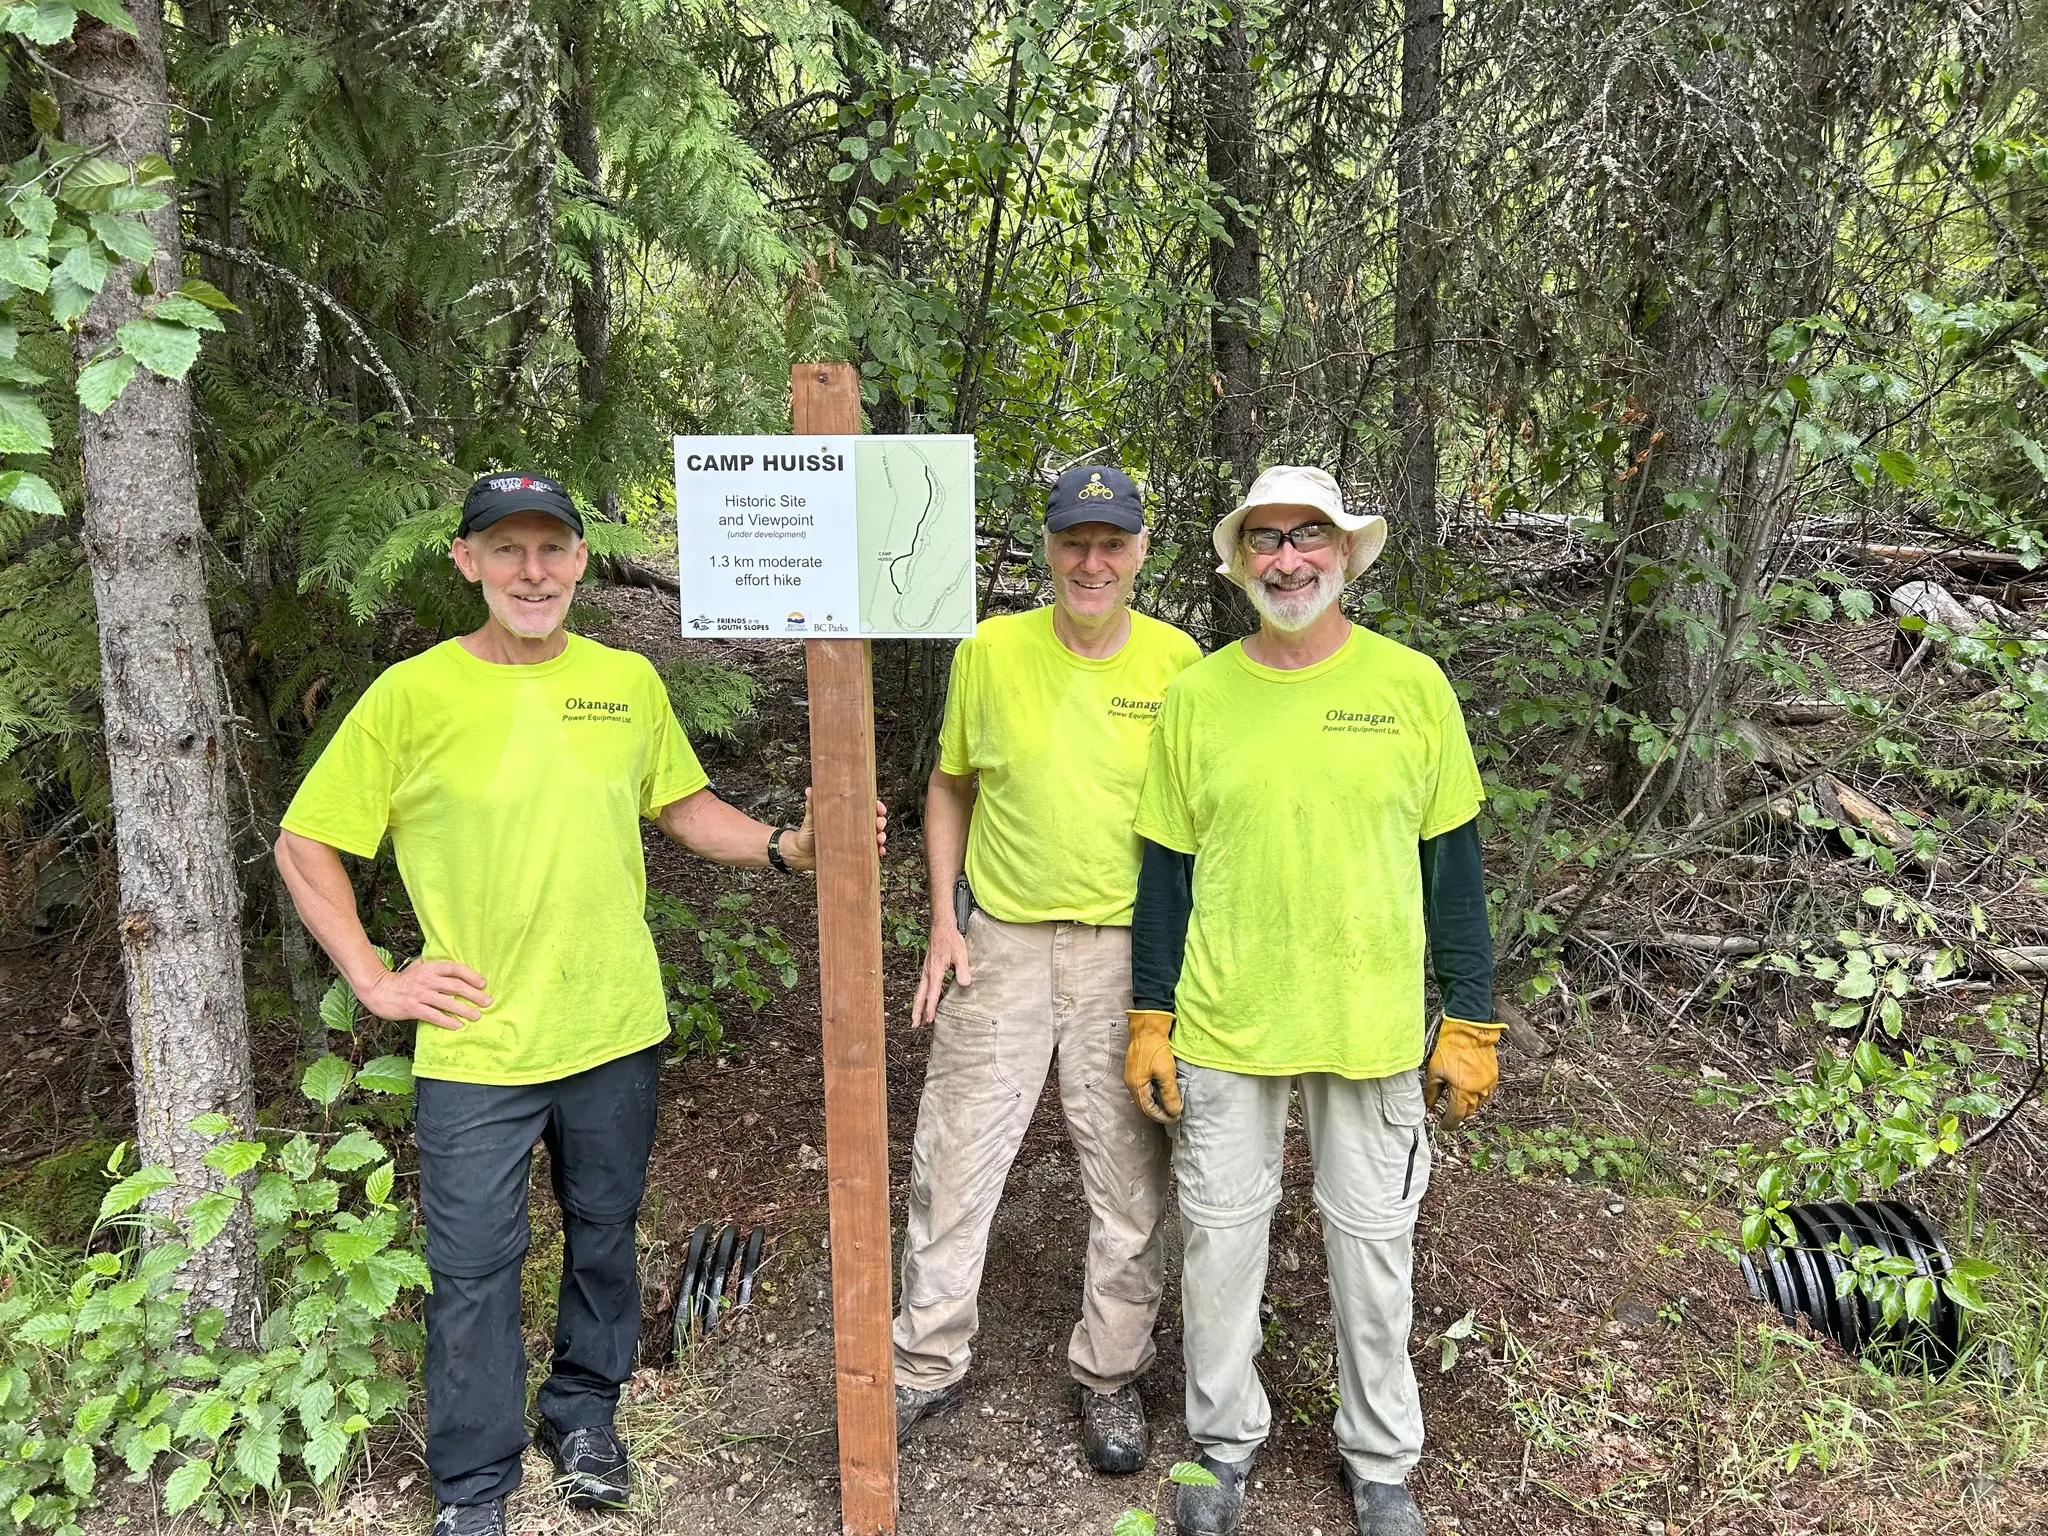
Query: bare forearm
x,y
723,833
948,807
326,901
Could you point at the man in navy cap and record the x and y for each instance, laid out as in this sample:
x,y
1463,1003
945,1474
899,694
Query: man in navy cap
x,y
511,768
1048,719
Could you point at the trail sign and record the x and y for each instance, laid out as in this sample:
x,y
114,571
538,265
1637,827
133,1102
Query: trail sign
x,y
826,535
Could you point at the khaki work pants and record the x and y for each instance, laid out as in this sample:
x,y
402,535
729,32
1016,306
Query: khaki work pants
x,y
1372,1165
1039,989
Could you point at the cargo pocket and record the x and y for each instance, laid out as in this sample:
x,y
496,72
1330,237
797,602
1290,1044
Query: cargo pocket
x,y
1402,1110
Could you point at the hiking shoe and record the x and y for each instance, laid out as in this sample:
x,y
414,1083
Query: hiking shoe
x,y
1383,1509
486,1519
1212,1511
1113,1429
590,1465
914,1404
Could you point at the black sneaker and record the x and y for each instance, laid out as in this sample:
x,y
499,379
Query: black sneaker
x,y
486,1519
1382,1509
1212,1511
590,1465
1113,1429
915,1404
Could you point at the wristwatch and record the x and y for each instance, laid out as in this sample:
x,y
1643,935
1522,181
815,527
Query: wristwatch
x,y
775,851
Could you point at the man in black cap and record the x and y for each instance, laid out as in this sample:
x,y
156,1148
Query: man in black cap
x,y
511,768
1042,753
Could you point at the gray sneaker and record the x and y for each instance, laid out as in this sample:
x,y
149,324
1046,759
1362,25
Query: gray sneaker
x,y
1382,1509
1113,1429
591,1469
485,1519
915,1404
1212,1511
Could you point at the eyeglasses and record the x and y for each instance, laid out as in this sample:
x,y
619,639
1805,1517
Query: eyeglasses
x,y
1306,537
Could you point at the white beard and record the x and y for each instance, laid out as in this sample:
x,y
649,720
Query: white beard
x,y
521,620
1295,611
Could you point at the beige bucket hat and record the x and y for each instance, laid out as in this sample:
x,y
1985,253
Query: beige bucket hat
x,y
1300,485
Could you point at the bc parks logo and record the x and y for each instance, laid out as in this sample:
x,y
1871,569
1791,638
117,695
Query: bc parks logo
x,y
1361,724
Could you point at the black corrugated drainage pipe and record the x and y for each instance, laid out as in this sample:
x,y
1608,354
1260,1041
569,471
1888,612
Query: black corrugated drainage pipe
x,y
1800,1280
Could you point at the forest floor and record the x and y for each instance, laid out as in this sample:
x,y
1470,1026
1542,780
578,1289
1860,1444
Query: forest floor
x,y
1587,1363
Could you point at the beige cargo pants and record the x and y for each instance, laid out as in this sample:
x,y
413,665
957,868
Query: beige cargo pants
x,y
1040,990
1372,1164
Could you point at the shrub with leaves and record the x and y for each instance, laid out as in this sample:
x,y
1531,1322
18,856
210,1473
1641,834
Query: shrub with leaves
x,y
112,1369
731,947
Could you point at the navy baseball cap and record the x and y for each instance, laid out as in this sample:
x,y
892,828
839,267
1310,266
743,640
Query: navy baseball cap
x,y
1094,493
500,495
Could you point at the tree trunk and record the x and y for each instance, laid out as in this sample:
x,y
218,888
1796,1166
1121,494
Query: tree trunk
x,y
179,916
590,301
1674,668
1418,267
1230,133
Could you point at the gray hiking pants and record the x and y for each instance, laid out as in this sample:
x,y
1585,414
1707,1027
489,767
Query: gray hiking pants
x,y
1372,1165
1039,989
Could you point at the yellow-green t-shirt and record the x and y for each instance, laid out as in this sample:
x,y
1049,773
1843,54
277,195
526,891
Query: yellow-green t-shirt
x,y
513,796
1302,796
1058,743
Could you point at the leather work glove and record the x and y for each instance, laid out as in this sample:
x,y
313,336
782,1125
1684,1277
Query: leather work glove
x,y
1465,1063
1149,1064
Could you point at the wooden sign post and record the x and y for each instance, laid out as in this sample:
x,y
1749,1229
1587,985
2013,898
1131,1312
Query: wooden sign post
x,y
826,400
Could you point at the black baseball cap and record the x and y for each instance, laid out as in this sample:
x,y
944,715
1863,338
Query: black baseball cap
x,y
1094,493
500,495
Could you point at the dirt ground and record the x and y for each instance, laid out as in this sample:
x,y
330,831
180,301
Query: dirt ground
x,y
1587,1365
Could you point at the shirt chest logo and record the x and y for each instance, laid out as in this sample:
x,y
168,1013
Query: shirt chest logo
x,y
1361,723
578,708
1123,707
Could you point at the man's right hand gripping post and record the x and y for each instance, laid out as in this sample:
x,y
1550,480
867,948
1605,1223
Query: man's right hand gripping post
x,y
1149,1065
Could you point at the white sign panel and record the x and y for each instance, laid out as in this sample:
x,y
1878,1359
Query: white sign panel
x,y
861,537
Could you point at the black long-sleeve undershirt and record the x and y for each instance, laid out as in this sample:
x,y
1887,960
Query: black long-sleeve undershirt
x,y
1453,912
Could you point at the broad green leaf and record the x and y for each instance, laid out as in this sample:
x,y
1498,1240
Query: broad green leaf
x,y
162,348
43,113
299,1157
326,1079
151,169
100,384
142,1451
207,1217
271,1200
25,263
1191,1474
324,1452
205,293
1902,467
234,1158
129,239
113,15
78,1469
377,1187
86,265
1134,1522
183,311
386,1074
87,183
256,1456
94,1415
68,300
358,1149
214,1124
48,22
32,493
37,212
22,427
2032,361
338,1007
373,1285
184,1486
136,1188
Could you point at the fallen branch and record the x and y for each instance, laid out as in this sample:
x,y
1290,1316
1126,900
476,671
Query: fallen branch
x,y
2024,960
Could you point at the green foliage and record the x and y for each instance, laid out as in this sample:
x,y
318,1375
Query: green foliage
x,y
105,1364
1572,1152
710,698
736,961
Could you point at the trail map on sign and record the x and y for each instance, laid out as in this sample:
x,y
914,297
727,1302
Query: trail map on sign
x,y
916,550
827,535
